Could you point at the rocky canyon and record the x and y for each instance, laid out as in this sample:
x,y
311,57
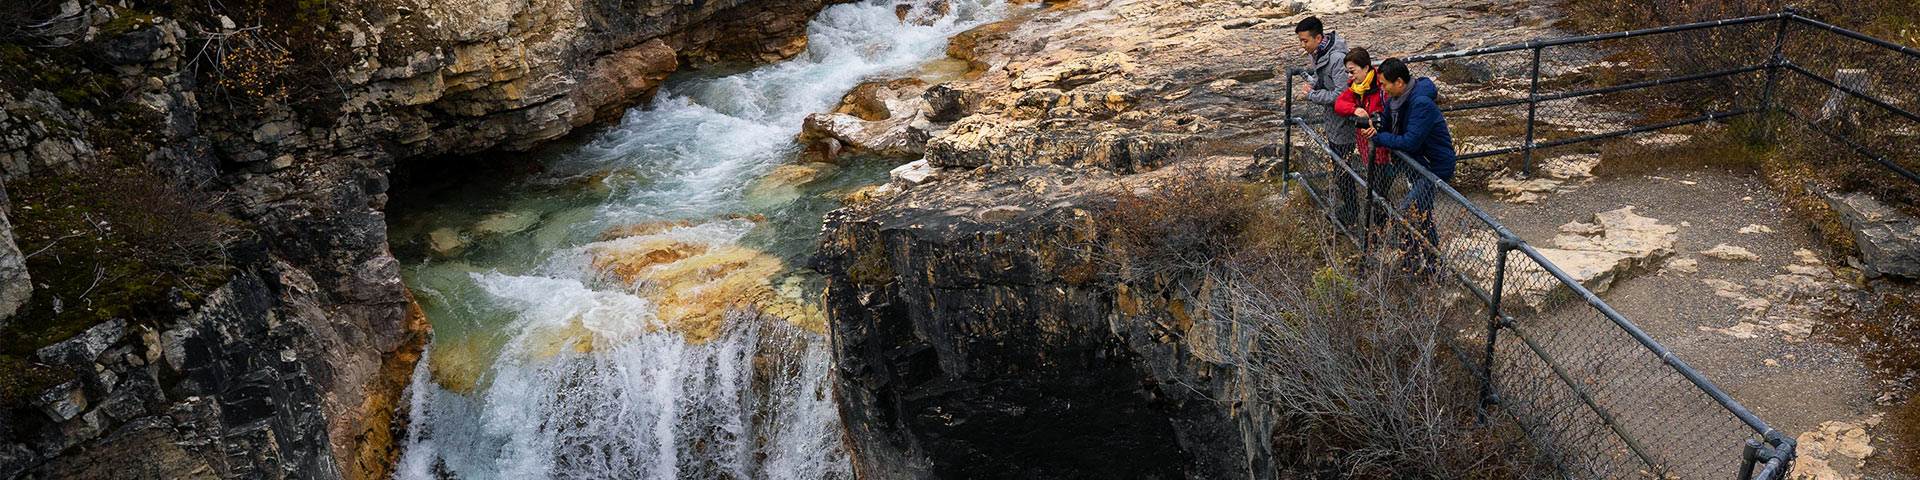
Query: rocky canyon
x,y
765,239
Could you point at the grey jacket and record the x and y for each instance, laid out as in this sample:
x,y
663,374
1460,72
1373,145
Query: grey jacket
x,y
1329,78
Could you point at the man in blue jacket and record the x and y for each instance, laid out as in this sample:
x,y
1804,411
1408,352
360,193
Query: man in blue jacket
x,y
1415,127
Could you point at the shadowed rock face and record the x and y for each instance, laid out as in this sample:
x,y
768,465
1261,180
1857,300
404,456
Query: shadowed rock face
x,y
971,344
307,381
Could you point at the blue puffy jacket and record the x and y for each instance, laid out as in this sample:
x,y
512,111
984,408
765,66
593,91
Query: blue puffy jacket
x,y
1422,131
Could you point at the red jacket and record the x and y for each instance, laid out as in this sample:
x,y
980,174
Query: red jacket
x,y
1375,99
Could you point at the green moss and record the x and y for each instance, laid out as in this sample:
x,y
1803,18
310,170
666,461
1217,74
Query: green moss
x,y
127,22
21,378
110,244
14,54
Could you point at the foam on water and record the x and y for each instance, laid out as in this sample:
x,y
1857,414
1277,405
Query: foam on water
x,y
581,380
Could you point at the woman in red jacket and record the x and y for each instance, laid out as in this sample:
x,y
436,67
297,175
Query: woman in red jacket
x,y
1362,101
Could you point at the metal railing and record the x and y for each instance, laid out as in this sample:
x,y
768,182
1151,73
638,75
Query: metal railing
x,y
1597,394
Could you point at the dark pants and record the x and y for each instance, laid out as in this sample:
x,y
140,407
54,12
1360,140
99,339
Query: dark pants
x,y
1418,209
1343,183
1379,181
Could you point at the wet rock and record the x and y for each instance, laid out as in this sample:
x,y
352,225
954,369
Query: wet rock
x,y
896,136
883,99
795,176
1889,240
922,12
1465,70
825,150
626,77
445,241
692,286
505,223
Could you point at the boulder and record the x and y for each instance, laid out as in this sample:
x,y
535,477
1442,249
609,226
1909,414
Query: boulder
x,y
825,150
947,102
883,99
15,284
1889,241
83,349
1616,245
445,241
912,174
63,402
922,12
900,136
505,223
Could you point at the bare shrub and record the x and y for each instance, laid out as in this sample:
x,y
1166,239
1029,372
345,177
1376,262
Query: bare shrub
x,y
1352,367
30,21
127,242
1184,223
1357,374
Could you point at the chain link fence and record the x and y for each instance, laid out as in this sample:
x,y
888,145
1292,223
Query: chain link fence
x,y
1600,397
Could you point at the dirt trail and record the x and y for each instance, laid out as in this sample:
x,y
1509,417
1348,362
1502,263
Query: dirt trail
x,y
1745,324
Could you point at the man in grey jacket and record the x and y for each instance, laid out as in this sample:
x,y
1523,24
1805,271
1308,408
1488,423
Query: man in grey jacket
x,y
1327,55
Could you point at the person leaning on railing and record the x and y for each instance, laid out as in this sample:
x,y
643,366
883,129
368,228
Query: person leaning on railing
x,y
1326,53
1362,97
1413,125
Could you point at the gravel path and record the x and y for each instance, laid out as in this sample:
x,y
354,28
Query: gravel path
x,y
1797,382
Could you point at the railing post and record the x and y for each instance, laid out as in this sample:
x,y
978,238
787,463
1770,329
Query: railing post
x,y
1494,315
1286,145
1778,58
1366,207
1533,106
1749,457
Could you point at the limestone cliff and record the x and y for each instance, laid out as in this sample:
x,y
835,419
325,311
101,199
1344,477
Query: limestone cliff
x,y
290,361
974,333
974,339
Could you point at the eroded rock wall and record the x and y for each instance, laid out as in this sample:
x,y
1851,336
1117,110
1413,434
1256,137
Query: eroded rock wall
x,y
295,368
973,339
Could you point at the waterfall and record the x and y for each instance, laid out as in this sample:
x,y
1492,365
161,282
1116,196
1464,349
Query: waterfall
x,y
609,317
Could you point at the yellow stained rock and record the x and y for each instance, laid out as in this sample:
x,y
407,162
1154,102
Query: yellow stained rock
x,y
642,229
457,365
693,287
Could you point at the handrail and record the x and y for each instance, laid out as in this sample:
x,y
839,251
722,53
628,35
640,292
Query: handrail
x,y
1592,38
1909,51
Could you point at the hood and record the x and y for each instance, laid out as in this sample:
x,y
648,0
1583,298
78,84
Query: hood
x,y
1424,87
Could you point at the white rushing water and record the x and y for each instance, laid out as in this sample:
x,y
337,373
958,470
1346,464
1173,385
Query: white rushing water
x,y
572,374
